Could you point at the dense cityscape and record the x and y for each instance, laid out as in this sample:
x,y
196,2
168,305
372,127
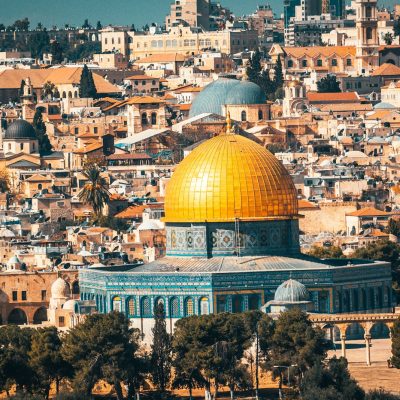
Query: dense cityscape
x,y
203,208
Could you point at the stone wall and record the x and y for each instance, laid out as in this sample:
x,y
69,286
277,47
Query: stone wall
x,y
329,217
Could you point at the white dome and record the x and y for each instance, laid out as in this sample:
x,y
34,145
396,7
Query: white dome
x,y
59,289
70,305
6,233
150,224
14,260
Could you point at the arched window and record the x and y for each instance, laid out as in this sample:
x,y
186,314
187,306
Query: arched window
x,y
40,186
70,95
76,95
116,303
189,307
145,307
174,307
368,12
290,63
153,118
369,33
131,306
75,287
260,115
204,306
243,116
144,119
64,95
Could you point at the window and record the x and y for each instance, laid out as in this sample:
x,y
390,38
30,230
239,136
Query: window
x,y
15,295
145,307
153,118
131,306
189,309
304,63
243,116
260,114
21,146
153,82
76,131
348,62
368,12
116,303
204,308
369,33
174,307
334,62
290,63
144,119
143,83
319,63
40,186
44,295
23,295
61,321
95,129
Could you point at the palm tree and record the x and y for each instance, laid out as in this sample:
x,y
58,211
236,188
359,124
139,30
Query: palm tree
x,y
95,190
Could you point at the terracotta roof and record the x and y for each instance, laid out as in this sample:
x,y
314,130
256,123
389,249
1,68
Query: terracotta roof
x,y
348,97
368,212
166,57
386,69
184,107
38,178
131,212
347,140
305,204
347,107
188,89
317,51
131,156
11,78
89,148
135,100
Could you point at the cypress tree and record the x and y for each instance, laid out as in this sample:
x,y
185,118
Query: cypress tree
x,y
396,344
161,348
278,79
87,87
40,128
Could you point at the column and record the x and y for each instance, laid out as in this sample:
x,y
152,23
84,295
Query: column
x,y
368,348
245,302
228,306
343,345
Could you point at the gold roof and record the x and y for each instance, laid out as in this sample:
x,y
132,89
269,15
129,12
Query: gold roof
x,y
229,177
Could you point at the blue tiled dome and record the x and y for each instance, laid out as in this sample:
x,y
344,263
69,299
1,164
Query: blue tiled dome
x,y
226,91
20,129
291,291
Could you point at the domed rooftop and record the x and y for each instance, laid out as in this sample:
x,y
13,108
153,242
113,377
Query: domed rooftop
x,y
384,106
229,177
291,291
6,233
14,260
20,129
226,91
59,289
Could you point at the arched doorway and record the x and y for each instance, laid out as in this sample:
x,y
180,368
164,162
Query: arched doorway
x,y
40,315
75,287
17,317
380,331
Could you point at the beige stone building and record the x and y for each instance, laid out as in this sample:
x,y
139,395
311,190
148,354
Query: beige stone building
x,y
193,12
180,39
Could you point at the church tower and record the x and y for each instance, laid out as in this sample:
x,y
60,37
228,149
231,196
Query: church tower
x,y
27,99
367,36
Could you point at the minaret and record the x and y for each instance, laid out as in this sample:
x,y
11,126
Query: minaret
x,y
367,56
28,101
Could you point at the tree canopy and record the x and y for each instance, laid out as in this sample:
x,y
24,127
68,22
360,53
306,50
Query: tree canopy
x,y
87,87
329,84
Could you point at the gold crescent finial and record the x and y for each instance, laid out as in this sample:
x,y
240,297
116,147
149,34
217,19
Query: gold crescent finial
x,y
228,123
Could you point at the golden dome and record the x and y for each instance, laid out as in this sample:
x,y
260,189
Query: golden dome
x,y
229,177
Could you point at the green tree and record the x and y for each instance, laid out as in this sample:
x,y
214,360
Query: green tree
x,y
46,360
325,252
49,89
329,84
38,43
87,87
56,52
381,394
295,342
95,191
395,330
15,370
253,69
388,38
330,382
40,128
103,347
396,27
99,25
21,24
86,24
161,360
278,77
393,227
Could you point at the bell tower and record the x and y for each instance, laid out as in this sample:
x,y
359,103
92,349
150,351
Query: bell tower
x,y
367,36
27,99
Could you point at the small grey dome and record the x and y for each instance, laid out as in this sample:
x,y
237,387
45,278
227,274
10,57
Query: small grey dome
x,y
20,129
384,106
291,291
226,91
